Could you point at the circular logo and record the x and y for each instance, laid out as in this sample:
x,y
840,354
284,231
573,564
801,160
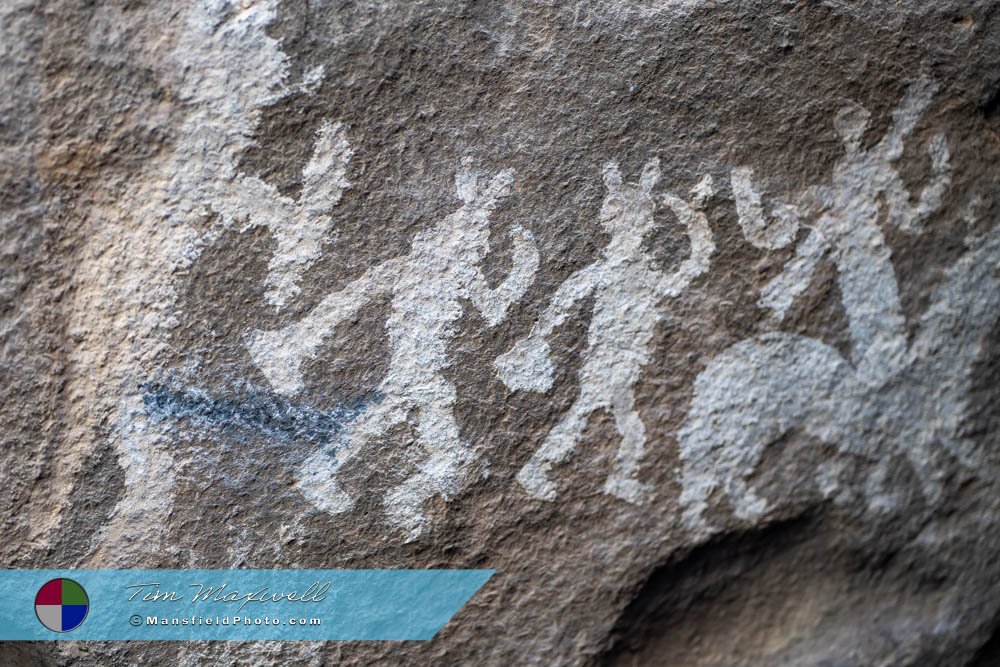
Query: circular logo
x,y
61,605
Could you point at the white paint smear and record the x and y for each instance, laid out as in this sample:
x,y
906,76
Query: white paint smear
x,y
224,69
426,287
234,69
628,292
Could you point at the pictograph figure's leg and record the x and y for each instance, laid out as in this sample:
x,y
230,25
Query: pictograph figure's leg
x,y
441,472
318,473
558,445
279,353
870,293
623,482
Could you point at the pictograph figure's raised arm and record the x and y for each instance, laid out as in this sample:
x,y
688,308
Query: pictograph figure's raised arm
x,y
528,364
279,354
699,234
324,180
298,225
479,200
576,288
762,232
493,303
910,217
905,116
779,294
902,214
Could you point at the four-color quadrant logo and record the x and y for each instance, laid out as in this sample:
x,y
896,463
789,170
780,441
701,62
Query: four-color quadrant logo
x,y
61,605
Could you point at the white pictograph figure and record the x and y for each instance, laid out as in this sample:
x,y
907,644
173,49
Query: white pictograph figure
x,y
847,229
761,388
228,95
628,291
426,287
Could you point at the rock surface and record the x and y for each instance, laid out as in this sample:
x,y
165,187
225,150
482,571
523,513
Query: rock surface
x,y
681,315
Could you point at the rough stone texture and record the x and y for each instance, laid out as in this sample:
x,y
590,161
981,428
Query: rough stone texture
x,y
750,419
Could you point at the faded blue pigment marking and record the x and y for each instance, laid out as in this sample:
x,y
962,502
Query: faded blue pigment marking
x,y
253,411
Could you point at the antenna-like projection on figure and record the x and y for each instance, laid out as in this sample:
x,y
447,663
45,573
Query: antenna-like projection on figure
x,y
426,287
628,292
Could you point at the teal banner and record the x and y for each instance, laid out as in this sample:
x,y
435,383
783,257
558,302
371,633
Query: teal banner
x,y
232,604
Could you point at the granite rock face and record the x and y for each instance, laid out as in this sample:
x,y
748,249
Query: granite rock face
x,y
681,315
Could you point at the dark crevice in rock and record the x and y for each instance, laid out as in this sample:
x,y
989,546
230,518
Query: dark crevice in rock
x,y
706,573
991,107
988,654
806,590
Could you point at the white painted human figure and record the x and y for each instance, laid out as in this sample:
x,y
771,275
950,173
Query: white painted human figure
x,y
426,287
761,388
847,229
628,293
